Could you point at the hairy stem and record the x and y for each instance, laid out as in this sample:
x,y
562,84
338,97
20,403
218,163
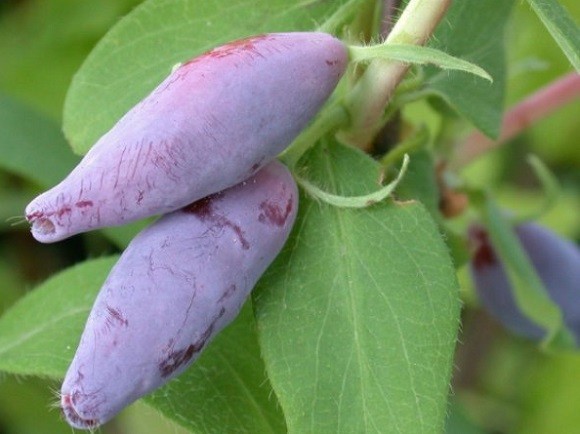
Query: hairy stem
x,y
388,16
537,106
370,96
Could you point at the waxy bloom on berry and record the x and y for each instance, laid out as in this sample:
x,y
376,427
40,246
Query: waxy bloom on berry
x,y
178,283
212,123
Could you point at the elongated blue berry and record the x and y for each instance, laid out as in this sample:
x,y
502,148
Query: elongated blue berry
x,y
177,284
211,124
557,262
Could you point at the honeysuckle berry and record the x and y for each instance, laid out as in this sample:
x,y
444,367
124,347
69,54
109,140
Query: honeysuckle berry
x,y
213,122
178,283
557,263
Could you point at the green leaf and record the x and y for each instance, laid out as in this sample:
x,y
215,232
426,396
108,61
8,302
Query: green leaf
x,y
528,290
39,334
121,236
44,43
12,204
561,26
473,30
420,182
24,403
547,394
352,20
226,390
363,201
458,421
358,316
416,55
551,190
32,145
12,284
142,48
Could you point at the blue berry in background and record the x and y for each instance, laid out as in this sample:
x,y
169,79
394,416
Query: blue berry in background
x,y
557,263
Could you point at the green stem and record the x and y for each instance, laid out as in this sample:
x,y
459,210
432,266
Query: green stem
x,y
342,16
368,99
363,201
408,97
328,120
414,142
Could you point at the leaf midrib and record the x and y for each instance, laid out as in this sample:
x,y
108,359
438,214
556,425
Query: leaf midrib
x,y
35,331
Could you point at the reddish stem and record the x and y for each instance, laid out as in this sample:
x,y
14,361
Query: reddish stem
x,y
520,117
389,11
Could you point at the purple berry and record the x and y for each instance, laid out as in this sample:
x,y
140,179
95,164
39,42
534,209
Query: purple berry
x,y
211,124
557,262
178,283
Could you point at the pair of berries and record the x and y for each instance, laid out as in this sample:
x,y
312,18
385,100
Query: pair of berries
x,y
199,150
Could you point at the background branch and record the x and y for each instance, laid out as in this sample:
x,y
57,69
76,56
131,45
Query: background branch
x,y
539,105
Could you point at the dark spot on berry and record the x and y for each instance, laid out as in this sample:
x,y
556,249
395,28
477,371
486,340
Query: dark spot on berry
x,y
256,166
484,256
228,293
238,231
177,359
62,211
235,47
205,211
273,213
34,216
70,414
115,316
43,226
39,215
84,203
202,208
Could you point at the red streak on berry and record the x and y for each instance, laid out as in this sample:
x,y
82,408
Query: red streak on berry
x,y
204,210
272,213
84,203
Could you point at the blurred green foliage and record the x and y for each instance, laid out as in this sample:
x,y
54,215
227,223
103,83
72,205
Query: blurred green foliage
x,y
43,43
509,386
